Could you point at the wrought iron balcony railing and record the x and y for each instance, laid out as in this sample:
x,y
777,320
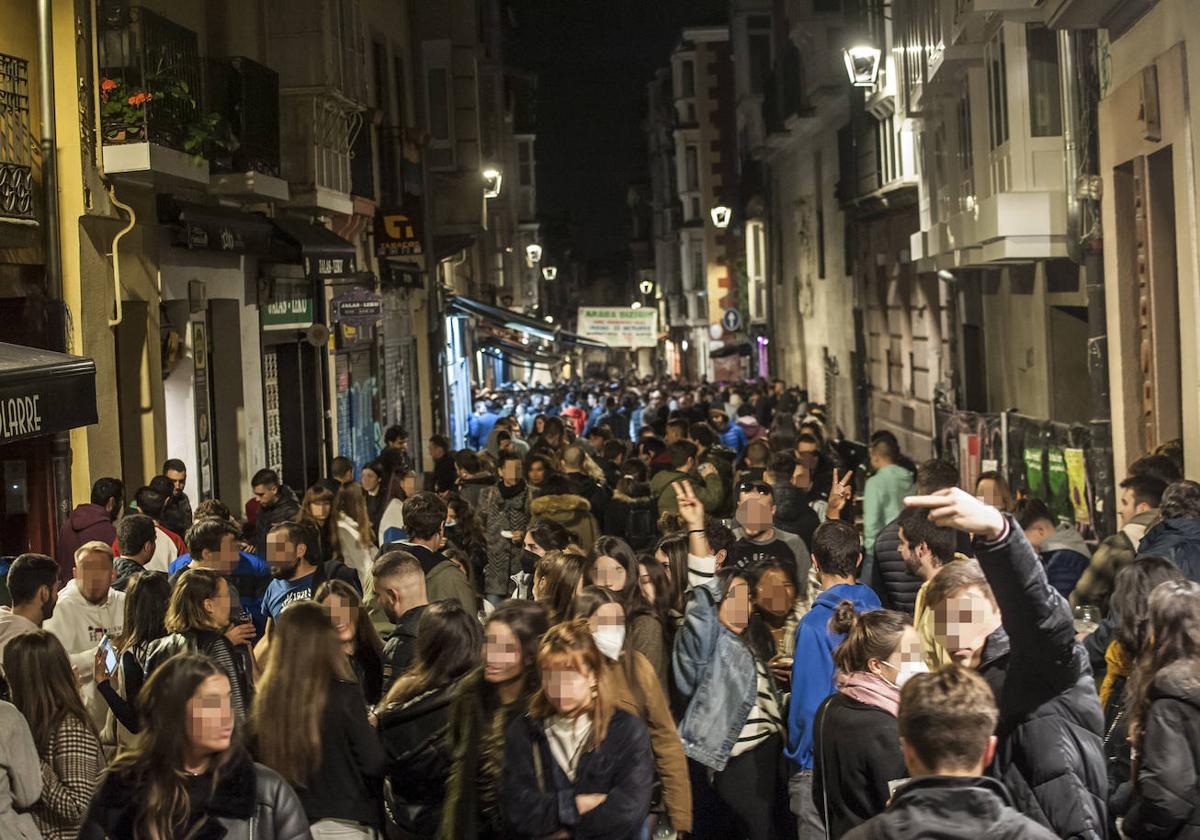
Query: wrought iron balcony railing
x,y
246,96
16,140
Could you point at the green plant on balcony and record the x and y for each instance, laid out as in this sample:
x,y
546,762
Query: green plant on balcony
x,y
163,110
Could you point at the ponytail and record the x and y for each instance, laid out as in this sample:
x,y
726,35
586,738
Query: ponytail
x,y
869,635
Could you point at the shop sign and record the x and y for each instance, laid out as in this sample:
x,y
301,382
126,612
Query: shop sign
x,y
205,235
619,326
290,307
358,308
54,404
398,232
330,266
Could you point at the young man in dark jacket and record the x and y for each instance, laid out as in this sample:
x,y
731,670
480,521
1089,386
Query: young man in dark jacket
x,y
1000,617
276,503
400,589
946,723
88,522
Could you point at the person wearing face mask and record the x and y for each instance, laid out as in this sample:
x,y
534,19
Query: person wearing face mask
x,y
639,692
486,701
856,740
576,763
614,566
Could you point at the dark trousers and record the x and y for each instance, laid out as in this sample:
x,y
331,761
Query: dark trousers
x,y
748,799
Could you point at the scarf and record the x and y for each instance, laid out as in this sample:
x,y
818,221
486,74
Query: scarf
x,y
1119,667
871,689
507,492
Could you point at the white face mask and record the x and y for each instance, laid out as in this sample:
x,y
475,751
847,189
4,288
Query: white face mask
x,y
907,671
610,641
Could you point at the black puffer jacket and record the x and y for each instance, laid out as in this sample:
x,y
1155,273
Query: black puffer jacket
x,y
794,514
1166,794
1050,753
950,808
897,589
416,737
283,507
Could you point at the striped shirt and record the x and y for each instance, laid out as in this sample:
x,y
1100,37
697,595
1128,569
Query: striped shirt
x,y
763,720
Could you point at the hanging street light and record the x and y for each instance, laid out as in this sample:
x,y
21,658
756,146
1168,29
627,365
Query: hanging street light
x,y
862,65
646,286
533,253
637,304
721,216
492,179
550,272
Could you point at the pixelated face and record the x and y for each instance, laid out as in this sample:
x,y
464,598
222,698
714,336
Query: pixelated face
x,y
210,716
734,612
511,473
775,592
806,454
343,615
607,615
94,575
320,510
227,556
962,624
609,573
755,512
569,691
661,557
535,473
265,493
281,554
218,606
501,654
989,493
369,479
178,479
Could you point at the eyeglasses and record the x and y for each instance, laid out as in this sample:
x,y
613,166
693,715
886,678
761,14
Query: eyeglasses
x,y
755,487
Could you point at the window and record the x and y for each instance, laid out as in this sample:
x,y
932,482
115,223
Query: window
x,y
699,278
997,70
525,163
401,90
692,172
760,60
966,152
688,78
439,104
756,269
1045,107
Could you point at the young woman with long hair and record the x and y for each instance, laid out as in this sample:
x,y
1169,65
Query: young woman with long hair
x,y
146,599
187,776
464,532
355,630
576,762
414,718
1164,718
672,553
197,620
309,724
856,740
485,703
44,689
316,511
356,538
638,691
402,485
613,565
557,579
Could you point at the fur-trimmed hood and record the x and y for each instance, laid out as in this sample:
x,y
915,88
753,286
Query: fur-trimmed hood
x,y
560,504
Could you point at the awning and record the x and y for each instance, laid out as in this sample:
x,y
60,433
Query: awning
x,y
502,317
518,351
211,228
570,339
448,245
743,349
323,252
42,392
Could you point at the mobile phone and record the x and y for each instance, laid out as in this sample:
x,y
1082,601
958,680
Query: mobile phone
x,y
508,535
110,654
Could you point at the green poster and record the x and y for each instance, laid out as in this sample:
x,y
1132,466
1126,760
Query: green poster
x,y
1058,486
1034,472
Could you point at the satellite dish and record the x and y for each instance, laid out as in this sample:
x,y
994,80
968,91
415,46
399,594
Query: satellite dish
x,y
317,335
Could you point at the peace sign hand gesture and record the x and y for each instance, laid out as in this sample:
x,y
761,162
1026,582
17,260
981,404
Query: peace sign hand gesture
x,y
839,494
691,510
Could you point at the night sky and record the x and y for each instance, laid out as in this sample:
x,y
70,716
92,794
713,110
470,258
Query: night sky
x,y
593,59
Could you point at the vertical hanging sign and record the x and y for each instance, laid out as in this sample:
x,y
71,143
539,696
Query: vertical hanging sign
x,y
203,401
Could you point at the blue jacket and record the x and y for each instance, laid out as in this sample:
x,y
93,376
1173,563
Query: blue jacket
x,y
250,577
812,666
479,427
734,438
715,669
1179,541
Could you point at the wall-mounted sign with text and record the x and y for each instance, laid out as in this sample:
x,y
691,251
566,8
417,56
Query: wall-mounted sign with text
x,y
358,308
619,326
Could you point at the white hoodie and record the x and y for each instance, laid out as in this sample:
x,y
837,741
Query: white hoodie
x,y
80,625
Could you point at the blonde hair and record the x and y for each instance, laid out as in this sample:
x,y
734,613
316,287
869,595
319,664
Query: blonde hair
x,y
351,501
94,545
186,610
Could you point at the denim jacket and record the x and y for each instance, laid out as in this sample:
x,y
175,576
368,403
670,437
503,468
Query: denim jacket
x,y
715,669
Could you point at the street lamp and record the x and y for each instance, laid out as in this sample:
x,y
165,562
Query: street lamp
x,y
862,65
637,304
492,179
721,216
533,253
646,286
550,272
549,319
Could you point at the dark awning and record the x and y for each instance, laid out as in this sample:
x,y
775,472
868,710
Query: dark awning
x,y
448,245
518,351
570,339
211,228
743,349
503,317
323,252
42,392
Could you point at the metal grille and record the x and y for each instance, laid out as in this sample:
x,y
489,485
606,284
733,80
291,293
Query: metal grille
x,y
16,140
271,406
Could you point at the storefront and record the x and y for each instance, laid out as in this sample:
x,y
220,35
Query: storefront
x,y
41,393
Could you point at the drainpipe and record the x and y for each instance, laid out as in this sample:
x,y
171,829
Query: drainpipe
x,y
60,442
1078,99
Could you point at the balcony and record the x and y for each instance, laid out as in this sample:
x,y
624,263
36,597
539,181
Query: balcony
x,y
153,127
318,132
16,142
246,96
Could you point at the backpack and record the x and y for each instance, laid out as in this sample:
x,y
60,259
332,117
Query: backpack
x,y
641,527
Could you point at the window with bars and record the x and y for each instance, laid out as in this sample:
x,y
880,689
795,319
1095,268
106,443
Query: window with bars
x,y
16,140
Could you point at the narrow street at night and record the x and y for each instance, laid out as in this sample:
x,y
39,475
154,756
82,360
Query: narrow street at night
x,y
581,420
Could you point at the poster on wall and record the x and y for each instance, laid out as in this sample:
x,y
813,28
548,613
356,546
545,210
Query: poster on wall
x,y
619,326
1058,492
202,400
1034,477
1077,484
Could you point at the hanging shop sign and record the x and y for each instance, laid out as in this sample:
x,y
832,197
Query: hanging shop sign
x,y
358,308
619,326
290,306
203,401
398,232
42,392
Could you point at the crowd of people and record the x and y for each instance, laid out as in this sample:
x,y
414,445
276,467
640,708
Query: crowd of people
x,y
621,612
